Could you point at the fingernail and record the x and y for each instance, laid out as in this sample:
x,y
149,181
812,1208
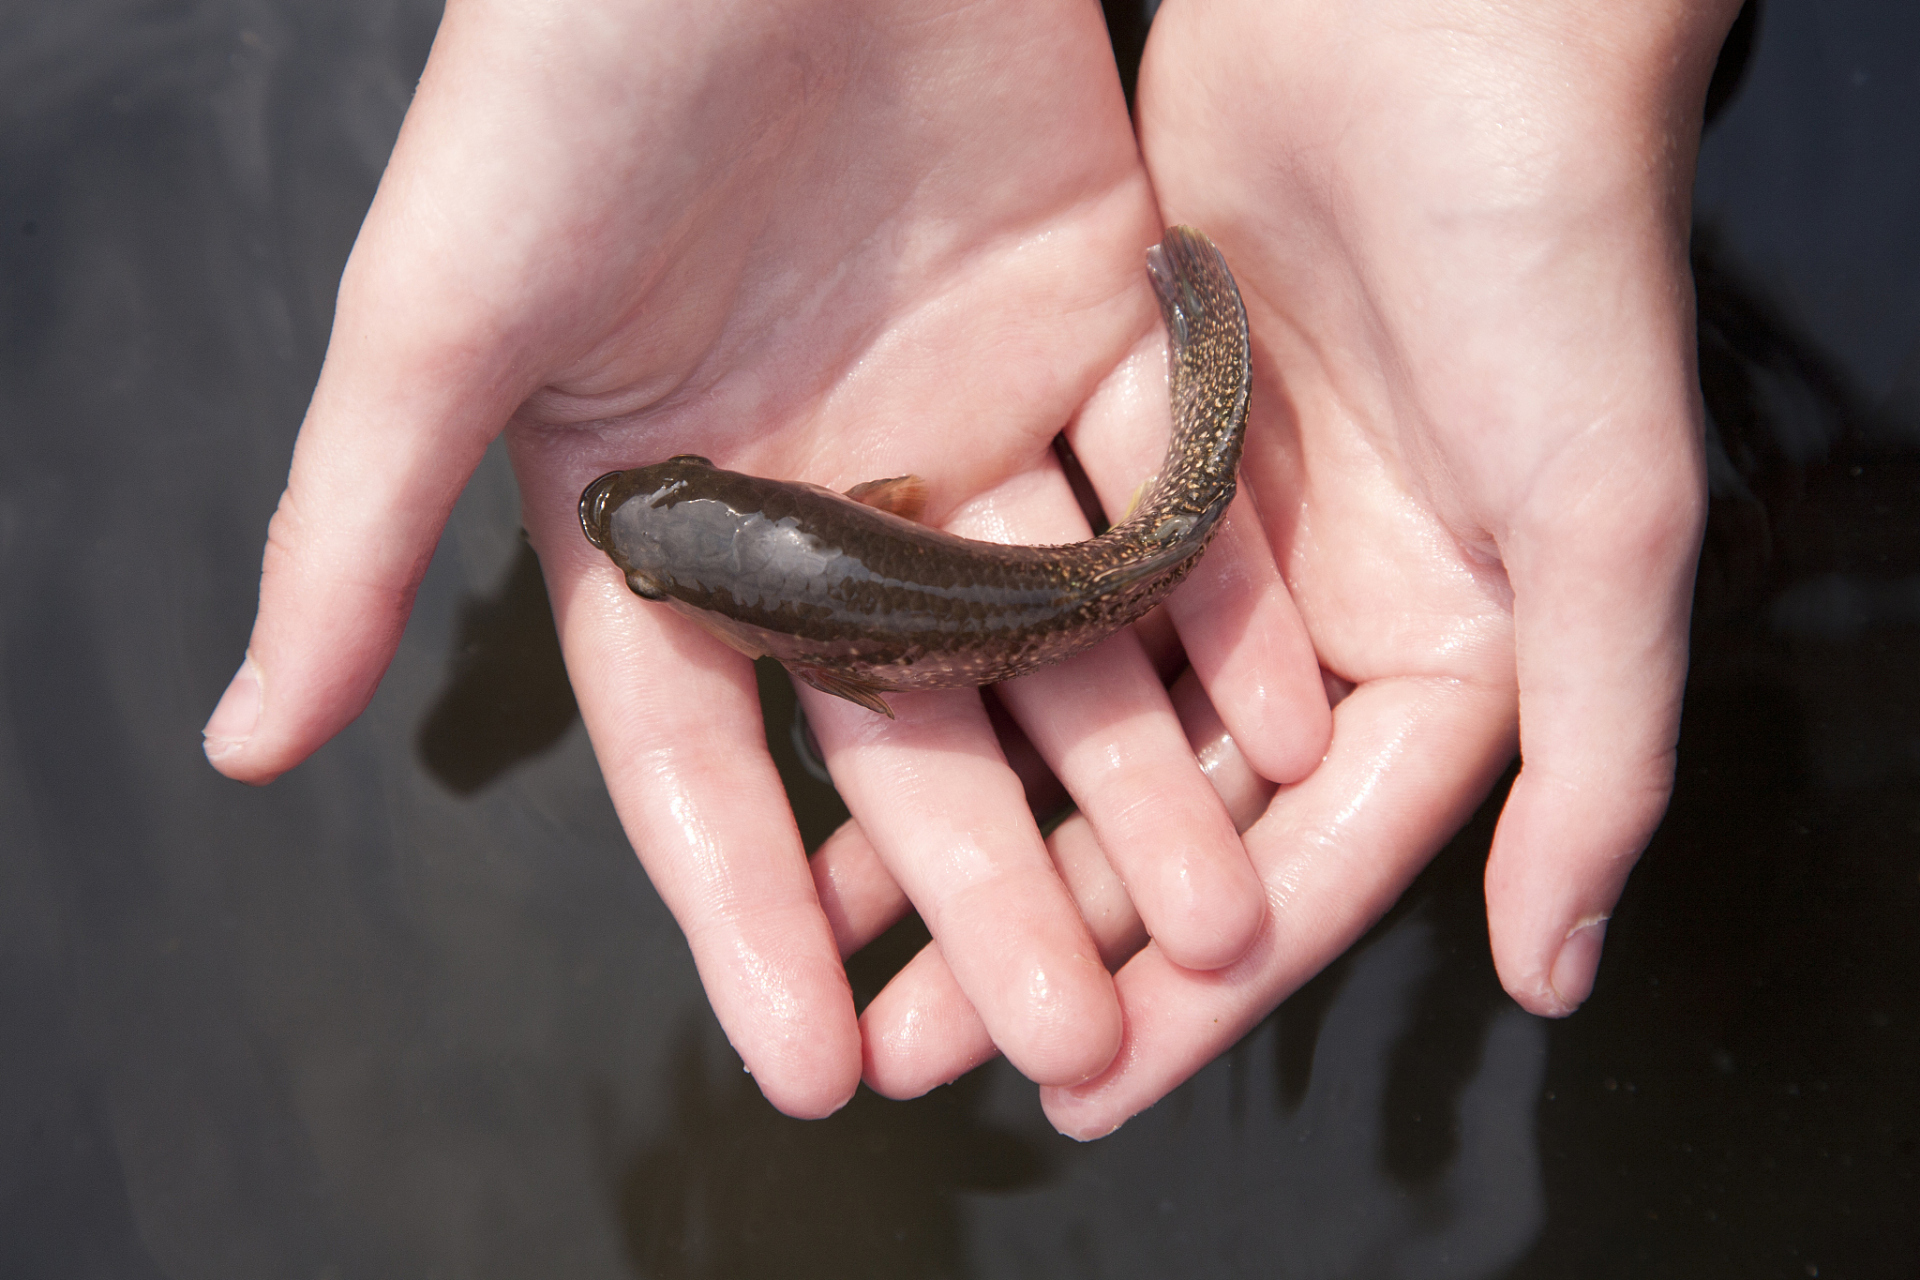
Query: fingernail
x,y
233,720
1577,963
1065,1127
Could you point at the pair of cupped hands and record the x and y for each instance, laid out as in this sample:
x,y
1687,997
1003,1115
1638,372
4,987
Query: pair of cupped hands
x,y
834,242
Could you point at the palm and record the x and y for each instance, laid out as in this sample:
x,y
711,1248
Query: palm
x,y
872,282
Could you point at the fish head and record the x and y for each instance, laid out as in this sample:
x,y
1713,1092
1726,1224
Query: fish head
x,y
626,515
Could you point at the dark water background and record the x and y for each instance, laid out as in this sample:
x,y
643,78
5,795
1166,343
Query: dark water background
x,y
414,1010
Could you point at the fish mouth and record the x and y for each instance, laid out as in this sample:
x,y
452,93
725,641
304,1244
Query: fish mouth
x,y
595,505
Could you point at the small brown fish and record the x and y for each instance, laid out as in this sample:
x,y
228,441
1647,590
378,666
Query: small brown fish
x,y
857,599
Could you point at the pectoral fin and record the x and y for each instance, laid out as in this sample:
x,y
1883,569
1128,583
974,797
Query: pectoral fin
x,y
846,687
904,496
723,630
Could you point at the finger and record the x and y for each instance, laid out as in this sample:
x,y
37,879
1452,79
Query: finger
x,y
1236,618
675,722
463,290
1410,759
1602,591
1046,798
921,1031
1250,650
1241,788
420,375
399,420
860,896
1104,726
917,1032
949,819
925,1032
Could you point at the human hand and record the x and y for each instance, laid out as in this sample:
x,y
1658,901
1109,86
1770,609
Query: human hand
x,y
1461,236
809,242
1461,231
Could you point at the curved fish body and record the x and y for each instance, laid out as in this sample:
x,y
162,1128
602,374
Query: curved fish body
x,y
856,599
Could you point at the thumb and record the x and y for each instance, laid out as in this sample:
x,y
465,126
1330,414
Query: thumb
x,y
1602,589
402,413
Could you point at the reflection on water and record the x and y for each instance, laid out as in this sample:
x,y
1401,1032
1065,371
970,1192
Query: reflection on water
x,y
731,1188
1235,1175
1255,1168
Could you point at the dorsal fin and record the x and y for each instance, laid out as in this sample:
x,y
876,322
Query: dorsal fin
x,y
904,496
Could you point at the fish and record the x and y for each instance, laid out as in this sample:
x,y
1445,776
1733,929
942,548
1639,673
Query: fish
x,y
856,598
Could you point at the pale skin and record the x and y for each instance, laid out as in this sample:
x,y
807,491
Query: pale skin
x,y
810,246
1461,233
807,241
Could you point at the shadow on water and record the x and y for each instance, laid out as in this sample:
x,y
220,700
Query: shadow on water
x,y
1436,1056
507,699
734,1189
1736,55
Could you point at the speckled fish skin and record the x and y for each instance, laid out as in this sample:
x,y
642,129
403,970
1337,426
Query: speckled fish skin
x,y
856,600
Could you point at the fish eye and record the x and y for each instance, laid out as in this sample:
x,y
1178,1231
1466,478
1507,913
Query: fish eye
x,y
646,588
